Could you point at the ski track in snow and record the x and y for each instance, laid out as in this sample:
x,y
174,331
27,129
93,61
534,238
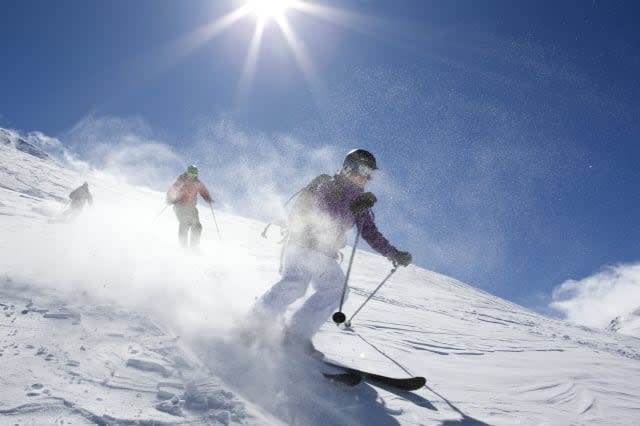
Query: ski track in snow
x,y
92,313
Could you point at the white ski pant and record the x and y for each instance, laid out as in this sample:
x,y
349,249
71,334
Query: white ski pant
x,y
302,267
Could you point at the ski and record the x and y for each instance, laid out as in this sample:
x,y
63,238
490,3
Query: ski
x,y
349,379
351,375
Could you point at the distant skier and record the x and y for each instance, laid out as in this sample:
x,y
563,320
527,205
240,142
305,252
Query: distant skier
x,y
79,198
183,195
314,237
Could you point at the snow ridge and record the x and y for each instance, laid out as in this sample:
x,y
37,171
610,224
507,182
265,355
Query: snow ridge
x,y
10,138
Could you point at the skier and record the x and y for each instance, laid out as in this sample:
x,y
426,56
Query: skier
x,y
312,250
183,195
79,198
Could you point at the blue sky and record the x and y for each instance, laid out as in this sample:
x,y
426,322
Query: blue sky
x,y
506,132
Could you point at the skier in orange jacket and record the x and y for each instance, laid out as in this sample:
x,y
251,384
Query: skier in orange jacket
x,y
183,195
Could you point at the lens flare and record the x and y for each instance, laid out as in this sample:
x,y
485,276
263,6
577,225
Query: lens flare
x,y
265,9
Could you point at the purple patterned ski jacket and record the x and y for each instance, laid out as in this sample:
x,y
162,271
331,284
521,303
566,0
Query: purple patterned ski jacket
x,y
333,219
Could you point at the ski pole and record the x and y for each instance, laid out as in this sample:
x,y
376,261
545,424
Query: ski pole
x,y
161,211
214,220
264,231
339,317
395,267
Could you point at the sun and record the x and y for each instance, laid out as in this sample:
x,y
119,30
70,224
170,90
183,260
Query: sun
x,y
266,9
268,15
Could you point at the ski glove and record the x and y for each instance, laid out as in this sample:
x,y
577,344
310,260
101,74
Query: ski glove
x,y
363,203
400,257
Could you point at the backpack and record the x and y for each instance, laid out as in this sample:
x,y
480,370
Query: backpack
x,y
302,206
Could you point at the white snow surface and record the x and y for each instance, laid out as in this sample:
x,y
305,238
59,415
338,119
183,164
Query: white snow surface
x,y
627,324
107,320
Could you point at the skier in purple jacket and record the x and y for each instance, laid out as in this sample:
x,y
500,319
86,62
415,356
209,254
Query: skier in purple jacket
x,y
313,244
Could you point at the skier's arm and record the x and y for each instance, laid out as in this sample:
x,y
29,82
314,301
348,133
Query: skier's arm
x,y
173,192
204,193
375,239
379,243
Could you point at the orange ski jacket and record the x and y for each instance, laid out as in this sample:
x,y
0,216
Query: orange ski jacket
x,y
185,191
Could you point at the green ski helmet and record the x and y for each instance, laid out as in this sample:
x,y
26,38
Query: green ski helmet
x,y
192,170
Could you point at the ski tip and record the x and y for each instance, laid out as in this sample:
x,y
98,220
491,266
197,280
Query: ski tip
x,y
408,384
420,381
416,383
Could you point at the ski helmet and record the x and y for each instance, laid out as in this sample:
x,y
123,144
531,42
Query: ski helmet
x,y
192,170
361,157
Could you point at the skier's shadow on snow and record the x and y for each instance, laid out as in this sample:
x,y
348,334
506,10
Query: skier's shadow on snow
x,y
464,421
423,402
360,406
418,400
410,396
293,389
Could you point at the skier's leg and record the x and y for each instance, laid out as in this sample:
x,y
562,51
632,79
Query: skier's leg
x,y
183,228
327,281
73,214
183,232
292,286
276,300
64,217
196,229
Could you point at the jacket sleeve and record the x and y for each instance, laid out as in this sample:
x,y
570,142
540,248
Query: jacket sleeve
x,y
174,192
371,235
204,193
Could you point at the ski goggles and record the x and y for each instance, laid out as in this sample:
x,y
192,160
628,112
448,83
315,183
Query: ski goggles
x,y
361,170
192,174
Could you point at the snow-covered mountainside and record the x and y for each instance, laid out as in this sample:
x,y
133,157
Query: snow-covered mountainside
x,y
107,321
627,324
10,138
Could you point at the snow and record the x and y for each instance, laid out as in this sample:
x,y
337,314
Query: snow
x,y
10,138
628,323
107,321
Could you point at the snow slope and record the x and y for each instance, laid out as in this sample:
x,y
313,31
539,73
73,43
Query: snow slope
x,y
107,321
12,139
628,324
